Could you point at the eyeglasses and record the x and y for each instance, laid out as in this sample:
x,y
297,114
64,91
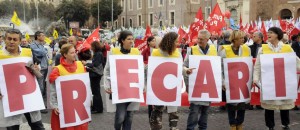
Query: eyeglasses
x,y
14,39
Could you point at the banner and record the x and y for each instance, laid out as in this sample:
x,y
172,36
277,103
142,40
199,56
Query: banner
x,y
164,81
278,76
20,89
127,78
74,98
205,83
238,79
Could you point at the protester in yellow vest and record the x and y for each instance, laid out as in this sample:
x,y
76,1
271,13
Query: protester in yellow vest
x,y
124,111
68,65
202,49
166,48
274,46
10,50
236,111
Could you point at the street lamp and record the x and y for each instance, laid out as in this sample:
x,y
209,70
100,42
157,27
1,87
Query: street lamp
x,y
98,14
112,15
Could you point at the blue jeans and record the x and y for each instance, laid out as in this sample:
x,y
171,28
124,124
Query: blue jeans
x,y
236,117
123,118
193,118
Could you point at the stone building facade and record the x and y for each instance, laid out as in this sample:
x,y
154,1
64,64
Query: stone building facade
x,y
140,13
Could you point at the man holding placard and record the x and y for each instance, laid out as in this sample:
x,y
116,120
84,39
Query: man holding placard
x,y
18,86
276,70
199,86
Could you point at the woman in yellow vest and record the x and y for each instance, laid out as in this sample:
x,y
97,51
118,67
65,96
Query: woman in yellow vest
x,y
274,46
68,65
166,48
124,111
236,111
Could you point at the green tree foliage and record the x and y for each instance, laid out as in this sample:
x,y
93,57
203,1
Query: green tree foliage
x,y
73,10
46,10
105,10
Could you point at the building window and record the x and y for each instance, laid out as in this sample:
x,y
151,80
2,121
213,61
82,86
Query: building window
x,y
139,4
116,24
195,1
139,20
234,15
171,2
150,3
161,3
151,19
172,18
285,14
207,12
130,22
123,22
130,5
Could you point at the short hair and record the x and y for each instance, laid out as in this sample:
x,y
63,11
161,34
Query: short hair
x,y
277,31
149,39
14,31
260,35
235,35
96,45
61,43
36,34
123,35
65,49
205,32
167,43
226,34
294,37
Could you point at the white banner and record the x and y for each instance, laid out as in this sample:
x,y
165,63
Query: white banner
x,y
205,83
20,89
164,81
238,79
127,78
279,76
74,99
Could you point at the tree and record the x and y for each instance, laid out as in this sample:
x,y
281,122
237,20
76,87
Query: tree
x,y
105,10
73,10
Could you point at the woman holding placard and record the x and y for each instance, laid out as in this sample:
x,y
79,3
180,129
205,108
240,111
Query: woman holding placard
x,y
68,65
274,46
236,111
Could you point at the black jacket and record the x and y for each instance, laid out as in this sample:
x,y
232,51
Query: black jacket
x,y
254,49
97,60
296,48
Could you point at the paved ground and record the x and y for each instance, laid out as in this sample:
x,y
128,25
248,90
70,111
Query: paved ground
x,y
217,120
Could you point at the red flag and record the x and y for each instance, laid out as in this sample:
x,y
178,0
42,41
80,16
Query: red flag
x,y
140,44
291,29
199,18
147,33
195,27
241,22
283,24
87,43
182,34
264,31
215,21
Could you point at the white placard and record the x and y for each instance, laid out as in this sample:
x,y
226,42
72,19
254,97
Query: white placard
x,y
216,71
168,73
134,67
232,80
17,75
79,85
286,74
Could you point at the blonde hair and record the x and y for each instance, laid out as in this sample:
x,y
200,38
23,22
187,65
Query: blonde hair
x,y
65,49
236,34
